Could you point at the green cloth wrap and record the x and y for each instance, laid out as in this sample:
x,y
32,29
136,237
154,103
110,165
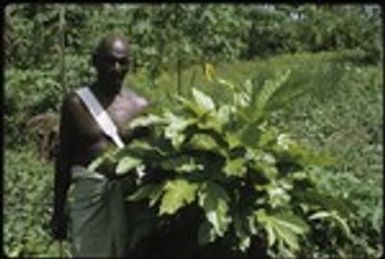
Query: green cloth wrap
x,y
98,215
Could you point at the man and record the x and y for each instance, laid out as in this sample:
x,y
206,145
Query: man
x,y
96,210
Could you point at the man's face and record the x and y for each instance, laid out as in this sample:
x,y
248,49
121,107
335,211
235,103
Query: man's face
x,y
113,63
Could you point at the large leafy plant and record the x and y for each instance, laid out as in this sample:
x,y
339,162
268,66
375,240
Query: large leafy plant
x,y
249,181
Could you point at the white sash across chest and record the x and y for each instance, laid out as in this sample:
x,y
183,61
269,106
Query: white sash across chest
x,y
100,115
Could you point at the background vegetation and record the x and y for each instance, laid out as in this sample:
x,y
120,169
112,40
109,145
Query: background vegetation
x,y
334,53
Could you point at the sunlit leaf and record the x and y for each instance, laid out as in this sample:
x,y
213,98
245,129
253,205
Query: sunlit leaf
x,y
126,164
204,142
144,121
235,167
175,129
178,193
283,226
144,192
206,233
203,99
214,201
240,232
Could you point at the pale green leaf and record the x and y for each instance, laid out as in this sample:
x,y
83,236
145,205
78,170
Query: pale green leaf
x,y
126,164
181,164
192,107
213,199
342,224
204,142
211,122
203,100
235,167
270,235
144,192
224,113
177,194
206,233
155,194
144,121
232,139
243,237
333,216
267,92
320,215
175,128
226,83
284,227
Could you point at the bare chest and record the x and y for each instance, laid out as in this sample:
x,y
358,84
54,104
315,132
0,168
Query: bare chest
x,y
122,110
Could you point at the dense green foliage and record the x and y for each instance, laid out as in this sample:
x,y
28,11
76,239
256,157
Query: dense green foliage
x,y
247,178
27,205
331,101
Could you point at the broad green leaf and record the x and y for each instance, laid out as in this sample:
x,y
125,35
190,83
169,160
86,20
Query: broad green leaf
x,y
175,128
144,192
226,83
250,135
278,196
319,215
203,100
109,156
313,197
243,237
191,107
282,227
268,137
270,235
265,163
203,142
214,199
267,92
145,121
223,114
333,216
287,148
96,163
144,148
342,224
235,167
155,194
232,140
181,164
211,122
126,164
206,233
177,194
242,99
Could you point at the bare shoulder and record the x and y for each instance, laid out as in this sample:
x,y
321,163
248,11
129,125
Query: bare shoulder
x,y
138,101
72,103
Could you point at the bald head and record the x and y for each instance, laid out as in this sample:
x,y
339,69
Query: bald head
x,y
112,44
111,60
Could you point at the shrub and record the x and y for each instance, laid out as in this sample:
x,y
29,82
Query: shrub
x,y
248,185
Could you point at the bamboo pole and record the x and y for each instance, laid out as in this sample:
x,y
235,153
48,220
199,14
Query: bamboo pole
x,y
62,48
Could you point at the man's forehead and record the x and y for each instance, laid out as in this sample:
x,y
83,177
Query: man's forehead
x,y
116,47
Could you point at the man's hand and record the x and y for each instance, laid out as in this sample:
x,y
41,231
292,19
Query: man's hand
x,y
59,226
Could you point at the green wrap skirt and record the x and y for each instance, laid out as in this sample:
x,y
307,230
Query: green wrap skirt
x,y
98,215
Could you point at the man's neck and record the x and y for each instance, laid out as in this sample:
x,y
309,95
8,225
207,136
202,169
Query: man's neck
x,y
103,91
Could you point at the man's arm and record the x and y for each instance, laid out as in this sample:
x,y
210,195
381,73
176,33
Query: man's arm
x,y
62,173
140,106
